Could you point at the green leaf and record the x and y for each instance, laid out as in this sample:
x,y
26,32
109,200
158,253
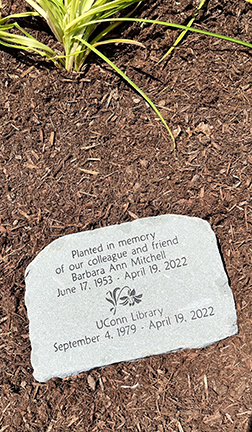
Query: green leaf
x,y
131,83
173,25
19,15
182,35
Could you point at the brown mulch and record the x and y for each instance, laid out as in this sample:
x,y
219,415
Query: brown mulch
x,y
82,151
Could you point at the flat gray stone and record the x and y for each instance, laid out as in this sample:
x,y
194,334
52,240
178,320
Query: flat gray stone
x,y
125,292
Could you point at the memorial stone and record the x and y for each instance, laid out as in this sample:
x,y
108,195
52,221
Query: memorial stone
x,y
125,292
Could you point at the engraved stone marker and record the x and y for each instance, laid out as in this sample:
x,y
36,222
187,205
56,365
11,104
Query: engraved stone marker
x,y
125,292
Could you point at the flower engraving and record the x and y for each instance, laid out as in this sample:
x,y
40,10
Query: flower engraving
x,y
123,296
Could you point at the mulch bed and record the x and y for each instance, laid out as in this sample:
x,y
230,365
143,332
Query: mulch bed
x,y
82,151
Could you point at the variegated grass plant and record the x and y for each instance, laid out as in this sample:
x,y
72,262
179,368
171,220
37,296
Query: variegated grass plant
x,y
76,25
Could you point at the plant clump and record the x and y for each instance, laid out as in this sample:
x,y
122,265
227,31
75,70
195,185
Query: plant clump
x,y
76,25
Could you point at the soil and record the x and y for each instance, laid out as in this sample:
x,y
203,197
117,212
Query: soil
x,y
82,151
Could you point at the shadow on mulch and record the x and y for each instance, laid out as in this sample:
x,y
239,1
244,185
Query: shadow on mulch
x,y
250,424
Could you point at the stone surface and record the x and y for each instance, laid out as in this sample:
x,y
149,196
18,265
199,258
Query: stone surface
x,y
125,292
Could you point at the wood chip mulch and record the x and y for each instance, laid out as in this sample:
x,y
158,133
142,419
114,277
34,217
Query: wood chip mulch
x,y
82,151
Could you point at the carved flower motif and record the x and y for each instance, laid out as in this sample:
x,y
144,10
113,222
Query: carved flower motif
x,y
130,298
